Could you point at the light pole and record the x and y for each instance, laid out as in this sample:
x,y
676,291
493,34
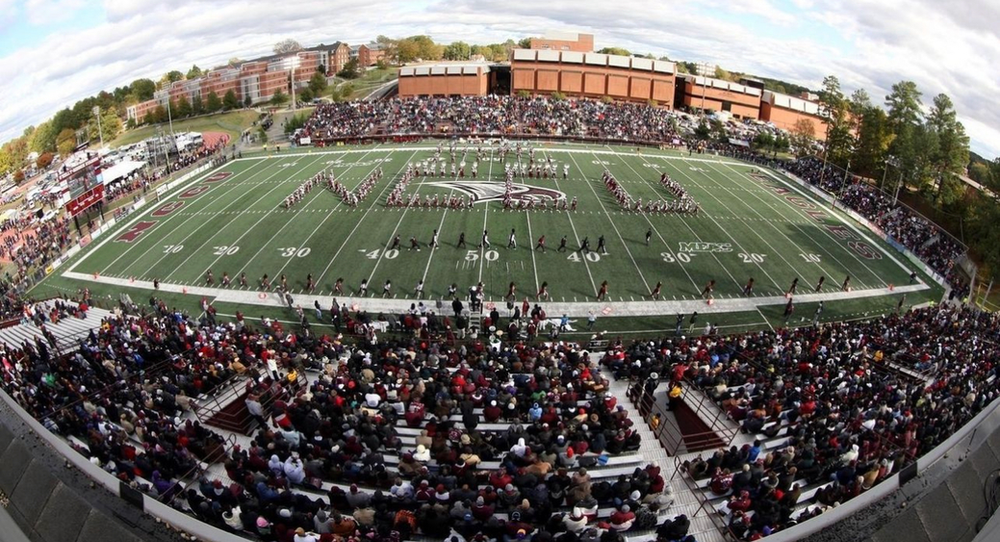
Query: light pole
x,y
100,132
295,64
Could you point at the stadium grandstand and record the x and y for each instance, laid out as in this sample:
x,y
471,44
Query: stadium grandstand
x,y
272,430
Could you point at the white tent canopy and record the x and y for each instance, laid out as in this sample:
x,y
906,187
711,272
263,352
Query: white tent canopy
x,y
121,170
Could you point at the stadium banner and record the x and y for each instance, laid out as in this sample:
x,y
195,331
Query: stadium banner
x,y
84,201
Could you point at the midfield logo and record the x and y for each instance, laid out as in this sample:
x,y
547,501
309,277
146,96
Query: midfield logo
x,y
484,191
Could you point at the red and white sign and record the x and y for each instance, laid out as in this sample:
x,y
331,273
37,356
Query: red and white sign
x,y
82,202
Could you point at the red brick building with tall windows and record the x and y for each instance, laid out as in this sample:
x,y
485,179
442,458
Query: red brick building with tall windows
x,y
592,75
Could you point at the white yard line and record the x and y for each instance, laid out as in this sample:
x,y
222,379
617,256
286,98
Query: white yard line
x,y
821,247
338,206
569,215
754,231
684,221
391,183
432,250
618,233
531,247
849,223
486,214
220,230
169,218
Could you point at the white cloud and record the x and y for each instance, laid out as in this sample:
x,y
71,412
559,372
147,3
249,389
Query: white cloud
x,y
44,12
942,46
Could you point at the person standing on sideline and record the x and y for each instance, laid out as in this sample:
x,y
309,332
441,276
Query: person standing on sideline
x,y
591,320
791,289
819,285
748,289
541,244
655,294
649,233
819,311
678,323
512,240
602,294
709,288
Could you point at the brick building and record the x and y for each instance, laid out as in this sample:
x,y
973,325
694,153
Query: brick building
x,y
370,55
784,111
565,41
445,79
592,75
709,94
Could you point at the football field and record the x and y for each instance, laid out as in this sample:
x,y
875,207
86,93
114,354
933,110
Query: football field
x,y
751,223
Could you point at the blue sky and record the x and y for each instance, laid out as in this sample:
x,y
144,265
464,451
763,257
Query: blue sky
x,y
54,52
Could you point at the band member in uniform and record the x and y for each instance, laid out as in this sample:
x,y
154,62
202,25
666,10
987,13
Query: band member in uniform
x,y
795,284
338,287
649,233
562,244
512,240
603,292
243,280
819,285
511,291
601,247
655,294
387,288
486,240
461,240
395,243
543,292
414,245
363,289
748,289
708,289
847,284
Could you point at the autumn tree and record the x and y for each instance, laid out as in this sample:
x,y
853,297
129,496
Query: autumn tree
x,y
286,46
66,142
803,134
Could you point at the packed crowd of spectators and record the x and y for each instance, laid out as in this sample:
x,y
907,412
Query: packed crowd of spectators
x,y
839,414
504,435
500,115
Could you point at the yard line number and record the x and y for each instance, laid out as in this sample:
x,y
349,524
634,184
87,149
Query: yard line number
x,y
680,257
387,254
172,249
294,252
592,257
811,258
751,257
225,250
489,255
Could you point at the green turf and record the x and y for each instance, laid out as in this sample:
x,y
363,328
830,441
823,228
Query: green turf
x,y
239,226
232,123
